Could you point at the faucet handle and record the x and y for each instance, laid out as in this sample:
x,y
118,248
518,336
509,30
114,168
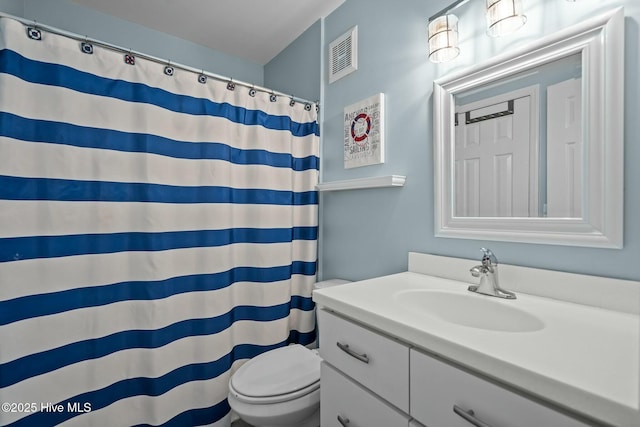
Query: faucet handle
x,y
488,258
478,270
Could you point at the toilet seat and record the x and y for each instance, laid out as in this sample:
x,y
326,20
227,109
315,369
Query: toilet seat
x,y
274,399
277,376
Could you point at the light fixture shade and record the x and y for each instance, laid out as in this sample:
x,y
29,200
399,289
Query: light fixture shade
x,y
443,38
504,17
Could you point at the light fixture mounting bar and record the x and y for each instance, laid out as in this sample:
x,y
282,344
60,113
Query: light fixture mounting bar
x,y
452,6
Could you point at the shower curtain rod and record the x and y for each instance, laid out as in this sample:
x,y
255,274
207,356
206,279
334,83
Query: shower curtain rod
x,y
78,37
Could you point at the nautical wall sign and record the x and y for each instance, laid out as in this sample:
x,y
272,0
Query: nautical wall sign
x,y
364,132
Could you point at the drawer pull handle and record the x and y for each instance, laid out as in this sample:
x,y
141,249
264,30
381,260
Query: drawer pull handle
x,y
346,349
343,421
469,416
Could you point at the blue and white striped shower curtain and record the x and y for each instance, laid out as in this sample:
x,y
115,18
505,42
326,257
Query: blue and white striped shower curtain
x,y
155,232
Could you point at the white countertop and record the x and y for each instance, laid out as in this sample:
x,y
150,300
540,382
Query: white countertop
x,y
586,359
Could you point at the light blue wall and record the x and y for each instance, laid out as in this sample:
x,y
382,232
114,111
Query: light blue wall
x,y
12,7
367,233
296,70
66,15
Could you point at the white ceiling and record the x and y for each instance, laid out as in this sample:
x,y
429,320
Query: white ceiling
x,y
256,30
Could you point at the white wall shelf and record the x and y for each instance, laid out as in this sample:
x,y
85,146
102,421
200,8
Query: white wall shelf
x,y
361,183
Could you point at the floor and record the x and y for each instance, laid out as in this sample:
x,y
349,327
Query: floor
x,y
240,423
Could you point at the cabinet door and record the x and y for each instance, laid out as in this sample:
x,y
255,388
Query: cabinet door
x,y
343,403
437,388
378,363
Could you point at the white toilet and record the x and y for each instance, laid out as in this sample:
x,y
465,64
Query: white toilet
x,y
280,388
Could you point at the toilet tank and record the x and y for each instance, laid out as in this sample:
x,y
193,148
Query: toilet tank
x,y
329,283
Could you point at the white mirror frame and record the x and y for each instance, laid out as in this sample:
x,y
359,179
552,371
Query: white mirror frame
x,y
601,42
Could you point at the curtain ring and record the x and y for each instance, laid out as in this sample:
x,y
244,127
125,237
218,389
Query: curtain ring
x,y
129,58
86,47
292,102
33,32
273,97
168,69
202,78
231,85
252,91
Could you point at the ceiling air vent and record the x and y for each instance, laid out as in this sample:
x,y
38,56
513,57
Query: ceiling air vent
x,y
343,55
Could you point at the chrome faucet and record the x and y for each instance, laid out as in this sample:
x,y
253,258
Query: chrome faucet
x,y
488,274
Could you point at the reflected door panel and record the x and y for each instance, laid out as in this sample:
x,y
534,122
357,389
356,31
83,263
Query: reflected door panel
x,y
492,167
564,150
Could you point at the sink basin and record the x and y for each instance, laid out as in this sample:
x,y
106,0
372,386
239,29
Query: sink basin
x,y
469,309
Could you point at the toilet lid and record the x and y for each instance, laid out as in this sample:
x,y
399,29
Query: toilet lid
x,y
277,372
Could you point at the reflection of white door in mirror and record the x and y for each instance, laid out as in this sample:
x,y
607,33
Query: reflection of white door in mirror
x,y
564,150
493,176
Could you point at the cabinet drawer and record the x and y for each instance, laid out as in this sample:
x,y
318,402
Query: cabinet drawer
x,y
342,399
436,387
378,363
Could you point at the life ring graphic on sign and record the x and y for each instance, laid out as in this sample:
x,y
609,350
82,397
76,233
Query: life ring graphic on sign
x,y
360,127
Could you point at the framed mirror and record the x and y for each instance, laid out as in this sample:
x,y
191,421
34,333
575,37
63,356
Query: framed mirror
x,y
528,147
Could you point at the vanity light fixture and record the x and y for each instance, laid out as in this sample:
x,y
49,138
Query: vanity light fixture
x,y
443,38
443,34
504,17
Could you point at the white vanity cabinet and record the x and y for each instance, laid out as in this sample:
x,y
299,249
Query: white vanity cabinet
x,y
344,403
379,363
371,380
577,367
437,388
364,376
